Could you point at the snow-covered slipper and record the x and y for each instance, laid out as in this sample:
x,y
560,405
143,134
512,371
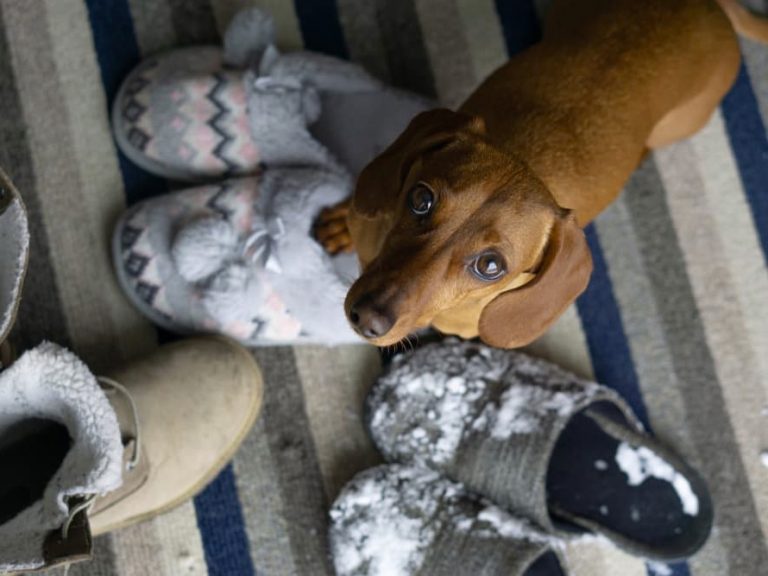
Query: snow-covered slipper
x,y
396,520
14,252
237,258
567,453
202,112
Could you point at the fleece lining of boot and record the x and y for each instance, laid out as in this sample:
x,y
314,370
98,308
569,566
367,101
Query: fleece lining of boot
x,y
50,383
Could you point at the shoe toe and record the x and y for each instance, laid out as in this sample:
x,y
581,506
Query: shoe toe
x,y
196,400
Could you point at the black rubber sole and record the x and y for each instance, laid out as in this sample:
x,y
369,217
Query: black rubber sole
x,y
585,480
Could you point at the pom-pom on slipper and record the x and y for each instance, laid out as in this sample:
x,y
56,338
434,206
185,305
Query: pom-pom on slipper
x,y
564,452
397,520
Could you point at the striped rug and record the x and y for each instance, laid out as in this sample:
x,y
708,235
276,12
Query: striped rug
x,y
676,316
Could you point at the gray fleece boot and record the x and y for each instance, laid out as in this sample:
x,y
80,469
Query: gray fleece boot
x,y
83,456
60,447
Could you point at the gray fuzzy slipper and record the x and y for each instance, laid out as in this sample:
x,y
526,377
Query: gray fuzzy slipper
x,y
238,258
201,113
397,520
564,452
14,253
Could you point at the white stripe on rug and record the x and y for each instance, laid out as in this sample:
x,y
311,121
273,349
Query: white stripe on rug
x,y
713,284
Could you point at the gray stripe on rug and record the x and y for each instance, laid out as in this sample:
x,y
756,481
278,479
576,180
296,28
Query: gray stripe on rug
x,y
336,382
448,51
261,499
194,22
709,424
364,38
153,25
755,58
102,563
403,45
292,454
40,314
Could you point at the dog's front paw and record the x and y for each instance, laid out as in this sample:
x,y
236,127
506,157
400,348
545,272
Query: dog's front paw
x,y
331,229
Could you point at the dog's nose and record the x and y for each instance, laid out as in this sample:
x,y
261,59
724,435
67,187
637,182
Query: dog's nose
x,y
370,320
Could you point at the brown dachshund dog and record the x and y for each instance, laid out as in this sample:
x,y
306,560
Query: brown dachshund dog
x,y
470,221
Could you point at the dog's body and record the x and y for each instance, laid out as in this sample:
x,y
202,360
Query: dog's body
x,y
611,79
535,153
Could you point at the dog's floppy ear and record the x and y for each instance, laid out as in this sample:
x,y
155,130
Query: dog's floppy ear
x,y
380,181
517,317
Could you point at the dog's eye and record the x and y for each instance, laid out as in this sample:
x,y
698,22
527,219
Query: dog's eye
x,y
489,266
421,200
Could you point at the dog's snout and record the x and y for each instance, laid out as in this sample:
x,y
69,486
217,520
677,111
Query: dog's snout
x,y
369,319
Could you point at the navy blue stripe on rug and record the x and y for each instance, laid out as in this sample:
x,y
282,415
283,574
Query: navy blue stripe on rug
x,y
220,519
117,52
605,335
520,24
609,347
746,132
320,27
599,311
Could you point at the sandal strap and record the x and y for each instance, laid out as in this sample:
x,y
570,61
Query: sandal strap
x,y
487,418
481,550
511,469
